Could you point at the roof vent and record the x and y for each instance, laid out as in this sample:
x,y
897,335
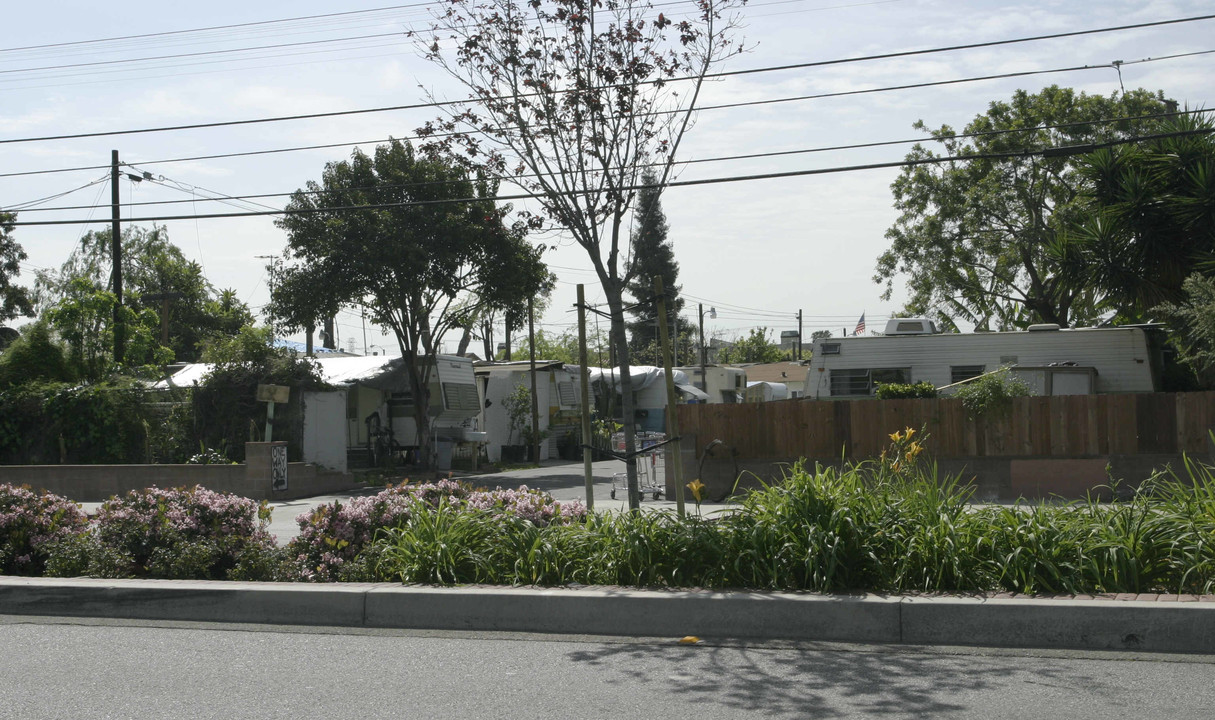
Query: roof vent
x,y
1043,327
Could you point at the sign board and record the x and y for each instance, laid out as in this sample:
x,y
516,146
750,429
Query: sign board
x,y
278,467
273,393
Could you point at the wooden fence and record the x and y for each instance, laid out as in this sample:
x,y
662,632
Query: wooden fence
x,y
1063,426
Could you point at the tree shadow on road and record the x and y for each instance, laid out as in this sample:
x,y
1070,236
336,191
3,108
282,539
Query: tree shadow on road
x,y
820,683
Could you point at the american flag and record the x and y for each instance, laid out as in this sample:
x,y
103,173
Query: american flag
x,y
860,325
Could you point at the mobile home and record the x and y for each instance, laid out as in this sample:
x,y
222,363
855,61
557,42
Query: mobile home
x,y
558,397
1053,361
649,393
721,383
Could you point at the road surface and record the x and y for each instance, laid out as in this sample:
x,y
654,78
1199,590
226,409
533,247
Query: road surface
x,y
107,669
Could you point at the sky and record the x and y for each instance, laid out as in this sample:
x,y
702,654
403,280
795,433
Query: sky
x,y
757,251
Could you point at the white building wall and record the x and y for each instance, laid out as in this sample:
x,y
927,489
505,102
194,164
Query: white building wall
x,y
1120,355
325,429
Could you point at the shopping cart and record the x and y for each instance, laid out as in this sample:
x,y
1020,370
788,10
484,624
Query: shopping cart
x,y
650,470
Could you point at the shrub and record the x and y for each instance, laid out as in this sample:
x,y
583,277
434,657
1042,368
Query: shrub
x,y
181,533
900,391
993,393
336,540
31,524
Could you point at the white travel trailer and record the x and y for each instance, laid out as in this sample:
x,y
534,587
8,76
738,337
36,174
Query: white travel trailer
x,y
761,391
558,399
649,393
722,384
1051,360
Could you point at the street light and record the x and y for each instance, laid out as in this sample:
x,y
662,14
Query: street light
x,y
700,309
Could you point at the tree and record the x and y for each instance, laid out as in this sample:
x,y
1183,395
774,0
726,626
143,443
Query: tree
x,y
820,334
83,318
14,300
755,348
35,356
1150,217
652,256
151,265
426,245
975,235
1192,322
571,100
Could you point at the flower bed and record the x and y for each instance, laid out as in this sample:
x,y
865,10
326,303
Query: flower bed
x,y
31,525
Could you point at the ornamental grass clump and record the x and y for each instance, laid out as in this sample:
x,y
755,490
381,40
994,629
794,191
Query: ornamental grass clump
x,y
32,524
181,533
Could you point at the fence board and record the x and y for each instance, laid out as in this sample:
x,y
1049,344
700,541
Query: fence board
x,y
1084,425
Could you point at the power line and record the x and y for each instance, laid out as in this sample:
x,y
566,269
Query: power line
x,y
1042,152
232,26
448,103
203,53
750,156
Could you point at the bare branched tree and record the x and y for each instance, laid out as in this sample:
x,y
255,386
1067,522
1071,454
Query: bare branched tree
x,y
571,100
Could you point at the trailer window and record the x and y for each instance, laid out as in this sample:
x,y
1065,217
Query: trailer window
x,y
864,382
958,373
830,348
849,382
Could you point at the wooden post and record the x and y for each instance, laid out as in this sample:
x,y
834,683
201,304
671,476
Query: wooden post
x,y
672,421
531,341
587,473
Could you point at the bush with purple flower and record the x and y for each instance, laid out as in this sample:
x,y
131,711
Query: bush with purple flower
x,y
31,525
180,533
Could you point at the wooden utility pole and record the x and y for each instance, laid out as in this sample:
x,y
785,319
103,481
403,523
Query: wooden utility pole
x,y
584,376
704,378
673,449
116,256
531,341
164,299
799,334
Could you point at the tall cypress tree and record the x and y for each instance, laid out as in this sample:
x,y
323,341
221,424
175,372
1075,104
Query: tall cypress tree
x,y
652,255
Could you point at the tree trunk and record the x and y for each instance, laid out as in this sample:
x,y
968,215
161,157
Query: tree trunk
x,y
620,342
465,339
421,408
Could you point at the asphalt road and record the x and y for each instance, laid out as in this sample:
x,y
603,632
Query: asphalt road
x,y
106,669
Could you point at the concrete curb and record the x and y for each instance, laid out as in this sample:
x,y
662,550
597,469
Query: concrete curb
x,y
1000,622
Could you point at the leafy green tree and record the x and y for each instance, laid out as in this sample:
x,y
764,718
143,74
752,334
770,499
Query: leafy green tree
x,y
14,300
975,235
653,256
34,357
83,318
755,348
417,261
1150,217
1192,325
570,100
152,265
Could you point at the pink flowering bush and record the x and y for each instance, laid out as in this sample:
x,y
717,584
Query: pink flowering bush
x,y
181,533
535,506
31,525
336,541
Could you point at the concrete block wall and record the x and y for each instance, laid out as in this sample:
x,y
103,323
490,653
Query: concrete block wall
x,y
96,483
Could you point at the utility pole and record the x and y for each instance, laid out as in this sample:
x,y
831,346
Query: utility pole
x,y
674,449
584,376
799,334
704,379
531,341
116,256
